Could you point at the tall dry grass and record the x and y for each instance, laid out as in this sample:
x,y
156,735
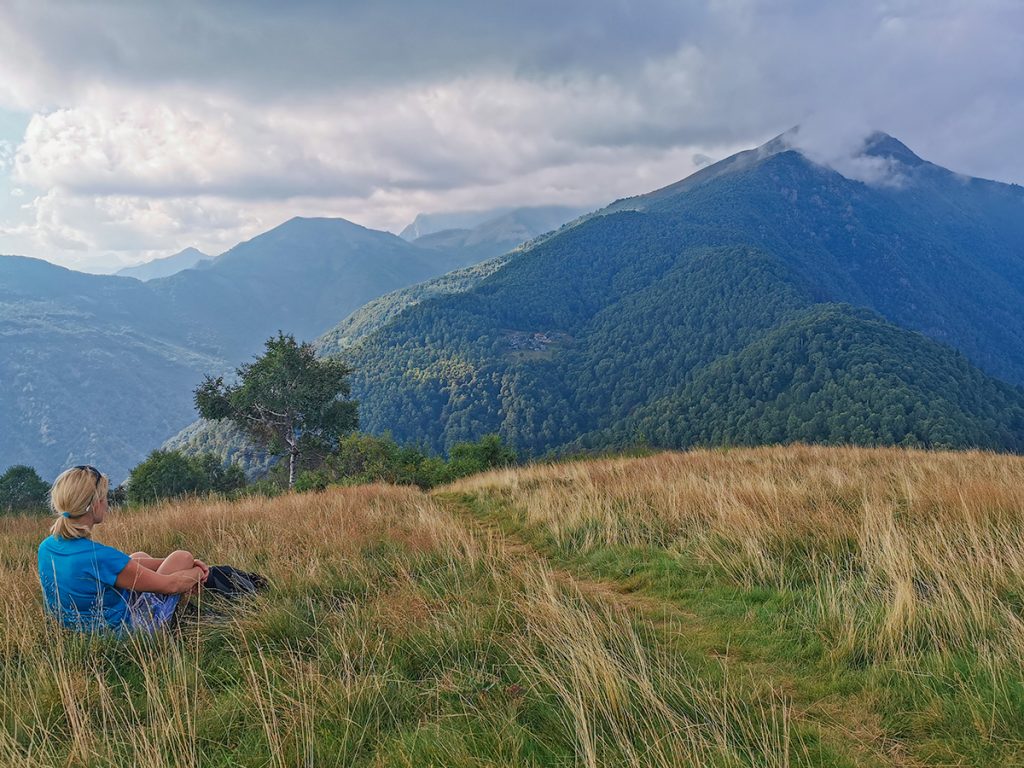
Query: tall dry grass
x,y
628,702
391,636
906,551
64,698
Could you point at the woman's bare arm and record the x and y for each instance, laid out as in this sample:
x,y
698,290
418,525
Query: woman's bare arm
x,y
152,563
138,578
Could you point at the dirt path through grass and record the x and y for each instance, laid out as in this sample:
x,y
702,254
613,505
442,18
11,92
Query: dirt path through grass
x,y
843,720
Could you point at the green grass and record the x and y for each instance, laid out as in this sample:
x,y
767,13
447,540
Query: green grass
x,y
413,645
940,706
467,628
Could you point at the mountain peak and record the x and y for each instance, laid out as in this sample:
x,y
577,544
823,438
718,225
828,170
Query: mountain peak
x,y
880,144
318,222
317,230
431,223
166,265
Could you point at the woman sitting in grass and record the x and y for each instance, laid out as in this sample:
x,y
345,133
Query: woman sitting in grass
x,y
89,586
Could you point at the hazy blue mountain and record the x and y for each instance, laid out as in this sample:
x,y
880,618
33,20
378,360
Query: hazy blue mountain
x,y
166,266
516,227
498,234
299,277
102,368
93,368
429,223
617,316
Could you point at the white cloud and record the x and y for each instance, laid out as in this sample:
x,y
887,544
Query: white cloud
x,y
130,170
160,127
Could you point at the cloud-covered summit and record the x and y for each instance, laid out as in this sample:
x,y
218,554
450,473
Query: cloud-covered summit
x,y
155,126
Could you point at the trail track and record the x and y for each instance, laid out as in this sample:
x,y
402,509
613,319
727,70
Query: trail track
x,y
848,723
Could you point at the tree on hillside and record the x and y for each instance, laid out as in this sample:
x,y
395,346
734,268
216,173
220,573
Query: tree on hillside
x,y
288,400
21,488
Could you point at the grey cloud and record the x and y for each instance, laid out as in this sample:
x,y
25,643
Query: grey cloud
x,y
385,109
274,50
718,71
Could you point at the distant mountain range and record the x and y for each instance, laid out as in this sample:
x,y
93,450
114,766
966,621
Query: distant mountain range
x,y
488,233
101,369
765,298
429,223
495,224
166,266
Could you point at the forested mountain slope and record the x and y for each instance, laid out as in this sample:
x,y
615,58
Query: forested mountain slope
x,y
588,330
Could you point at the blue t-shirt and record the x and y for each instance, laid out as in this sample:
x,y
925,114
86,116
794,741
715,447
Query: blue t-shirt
x,y
78,577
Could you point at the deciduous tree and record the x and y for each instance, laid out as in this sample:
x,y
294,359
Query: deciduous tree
x,y
287,400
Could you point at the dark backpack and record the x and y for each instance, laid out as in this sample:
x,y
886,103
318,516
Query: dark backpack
x,y
232,583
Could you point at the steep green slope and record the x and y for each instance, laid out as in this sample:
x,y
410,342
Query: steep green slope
x,y
628,307
835,374
928,249
379,312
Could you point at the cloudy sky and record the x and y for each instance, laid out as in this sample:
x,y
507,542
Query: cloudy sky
x,y
130,130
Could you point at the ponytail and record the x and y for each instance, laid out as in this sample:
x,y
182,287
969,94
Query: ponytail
x,y
72,497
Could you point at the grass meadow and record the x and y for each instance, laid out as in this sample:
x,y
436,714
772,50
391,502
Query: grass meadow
x,y
784,606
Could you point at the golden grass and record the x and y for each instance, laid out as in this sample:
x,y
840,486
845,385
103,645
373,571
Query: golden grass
x,y
395,635
388,626
907,550
59,697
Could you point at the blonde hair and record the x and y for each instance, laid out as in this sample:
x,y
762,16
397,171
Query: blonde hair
x,y
72,495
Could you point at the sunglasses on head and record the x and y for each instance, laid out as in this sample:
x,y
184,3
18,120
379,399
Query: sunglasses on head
x,y
92,470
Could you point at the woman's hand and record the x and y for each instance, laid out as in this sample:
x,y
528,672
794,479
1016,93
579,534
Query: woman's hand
x,y
188,580
204,567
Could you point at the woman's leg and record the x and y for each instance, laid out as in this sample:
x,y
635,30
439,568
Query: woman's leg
x,y
146,560
178,560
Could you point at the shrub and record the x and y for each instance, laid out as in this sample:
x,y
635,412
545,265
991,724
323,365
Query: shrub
x,y
310,480
370,459
362,459
220,477
169,474
487,453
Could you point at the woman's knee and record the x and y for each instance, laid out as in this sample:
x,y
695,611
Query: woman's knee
x,y
139,555
178,560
